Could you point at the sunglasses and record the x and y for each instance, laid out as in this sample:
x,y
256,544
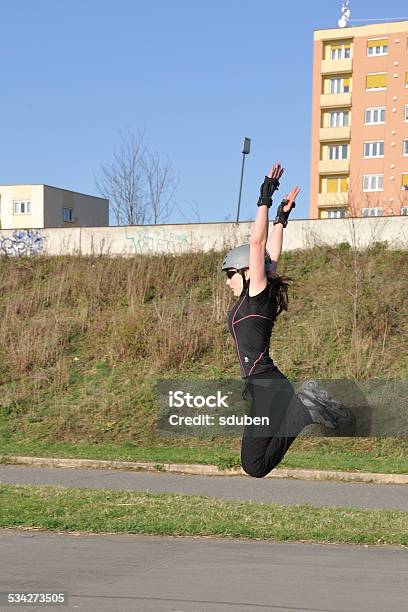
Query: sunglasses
x,y
230,273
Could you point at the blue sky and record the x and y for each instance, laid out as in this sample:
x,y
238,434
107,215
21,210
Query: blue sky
x,y
197,76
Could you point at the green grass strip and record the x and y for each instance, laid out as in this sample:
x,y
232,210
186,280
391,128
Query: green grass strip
x,y
101,511
329,457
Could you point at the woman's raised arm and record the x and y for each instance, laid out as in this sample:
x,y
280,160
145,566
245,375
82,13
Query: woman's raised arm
x,y
259,233
274,245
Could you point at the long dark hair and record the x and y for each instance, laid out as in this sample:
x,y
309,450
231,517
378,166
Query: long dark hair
x,y
278,287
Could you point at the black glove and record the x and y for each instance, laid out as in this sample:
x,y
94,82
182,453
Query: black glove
x,y
281,215
267,188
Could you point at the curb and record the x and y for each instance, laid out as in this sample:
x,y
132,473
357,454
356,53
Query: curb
x,y
205,470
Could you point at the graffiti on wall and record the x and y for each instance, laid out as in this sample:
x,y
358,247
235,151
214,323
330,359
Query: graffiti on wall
x,y
22,243
158,241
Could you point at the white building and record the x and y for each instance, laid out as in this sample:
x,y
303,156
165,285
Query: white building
x,y
40,206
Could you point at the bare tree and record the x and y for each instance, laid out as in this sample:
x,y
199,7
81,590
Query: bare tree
x,y
194,209
139,187
161,186
121,182
356,260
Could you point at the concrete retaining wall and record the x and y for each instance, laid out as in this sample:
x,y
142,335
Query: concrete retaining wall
x,y
156,239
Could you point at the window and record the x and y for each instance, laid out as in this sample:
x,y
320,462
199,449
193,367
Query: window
x,y
377,46
374,116
335,85
377,80
339,85
336,213
67,214
339,119
337,184
338,151
406,112
404,182
371,212
404,210
21,207
374,149
405,147
340,51
373,182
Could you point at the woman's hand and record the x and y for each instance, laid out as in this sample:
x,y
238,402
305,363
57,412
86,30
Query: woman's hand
x,y
291,197
270,185
276,171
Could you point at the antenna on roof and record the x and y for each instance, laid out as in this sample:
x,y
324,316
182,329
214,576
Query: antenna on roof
x,y
345,15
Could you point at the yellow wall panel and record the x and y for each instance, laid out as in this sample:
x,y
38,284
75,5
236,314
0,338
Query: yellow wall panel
x,y
376,80
344,184
332,185
377,43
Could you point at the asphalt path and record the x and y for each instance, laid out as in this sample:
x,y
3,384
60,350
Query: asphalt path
x,y
126,573
282,491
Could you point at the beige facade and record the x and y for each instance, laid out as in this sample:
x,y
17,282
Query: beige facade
x,y
40,206
359,155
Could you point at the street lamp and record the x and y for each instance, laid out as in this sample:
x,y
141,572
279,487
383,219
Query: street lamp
x,y
245,150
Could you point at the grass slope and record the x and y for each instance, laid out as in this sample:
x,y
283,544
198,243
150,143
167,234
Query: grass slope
x,y
83,340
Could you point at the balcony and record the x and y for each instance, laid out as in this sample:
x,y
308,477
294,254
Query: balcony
x,y
330,66
341,99
334,166
332,200
334,134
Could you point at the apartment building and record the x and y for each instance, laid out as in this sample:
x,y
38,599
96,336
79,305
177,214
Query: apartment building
x,y
39,206
359,156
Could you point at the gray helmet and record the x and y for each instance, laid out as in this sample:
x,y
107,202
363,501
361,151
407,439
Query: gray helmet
x,y
238,258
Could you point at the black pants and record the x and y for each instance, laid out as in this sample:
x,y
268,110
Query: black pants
x,y
270,395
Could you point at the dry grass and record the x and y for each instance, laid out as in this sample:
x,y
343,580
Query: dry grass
x,y
82,338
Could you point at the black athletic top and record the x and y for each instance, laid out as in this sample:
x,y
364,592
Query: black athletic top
x,y
250,322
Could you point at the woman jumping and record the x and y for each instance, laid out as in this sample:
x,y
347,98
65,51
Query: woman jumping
x,y
251,275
